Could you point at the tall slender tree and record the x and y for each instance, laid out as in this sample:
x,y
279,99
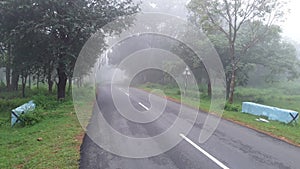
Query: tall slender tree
x,y
229,16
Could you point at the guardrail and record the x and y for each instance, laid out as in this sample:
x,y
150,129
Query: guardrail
x,y
25,108
273,113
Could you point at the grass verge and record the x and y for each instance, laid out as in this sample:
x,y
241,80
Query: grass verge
x,y
52,143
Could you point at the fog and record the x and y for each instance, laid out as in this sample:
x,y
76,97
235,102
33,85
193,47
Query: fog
x,y
290,26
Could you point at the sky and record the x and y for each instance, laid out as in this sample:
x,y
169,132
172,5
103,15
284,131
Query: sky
x,y
291,27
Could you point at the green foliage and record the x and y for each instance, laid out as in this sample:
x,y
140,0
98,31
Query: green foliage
x,y
251,95
42,98
45,102
41,36
232,107
202,88
283,95
59,130
4,122
30,118
2,85
245,37
7,105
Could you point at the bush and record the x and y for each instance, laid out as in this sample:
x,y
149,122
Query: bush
x,y
4,122
204,96
31,118
45,102
202,88
10,95
150,85
7,105
232,107
258,100
2,85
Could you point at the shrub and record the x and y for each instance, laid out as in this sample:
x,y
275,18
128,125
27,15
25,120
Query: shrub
x,y
232,107
204,96
150,85
202,88
45,101
31,118
258,100
2,85
7,105
4,122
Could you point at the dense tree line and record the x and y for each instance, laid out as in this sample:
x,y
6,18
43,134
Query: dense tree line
x,y
42,38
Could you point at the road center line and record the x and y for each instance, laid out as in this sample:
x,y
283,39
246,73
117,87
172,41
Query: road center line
x,y
124,91
204,152
143,106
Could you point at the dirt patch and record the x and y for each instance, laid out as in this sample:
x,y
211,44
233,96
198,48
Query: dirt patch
x,y
20,166
79,139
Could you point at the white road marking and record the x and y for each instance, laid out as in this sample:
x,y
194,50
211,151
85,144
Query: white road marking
x,y
143,106
122,90
204,152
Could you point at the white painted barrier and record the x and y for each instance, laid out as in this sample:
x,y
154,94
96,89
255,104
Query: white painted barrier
x,y
273,113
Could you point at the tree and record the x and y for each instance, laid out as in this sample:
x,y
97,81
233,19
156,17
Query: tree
x,y
229,16
54,31
275,57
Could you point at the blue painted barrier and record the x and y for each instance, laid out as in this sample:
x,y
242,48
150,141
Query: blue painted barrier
x,y
25,108
273,113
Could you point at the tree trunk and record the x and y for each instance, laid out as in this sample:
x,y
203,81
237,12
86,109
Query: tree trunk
x,y
50,81
24,77
228,80
209,88
29,81
80,81
70,84
233,71
7,77
8,68
62,81
50,86
15,80
77,82
49,69
38,81
232,85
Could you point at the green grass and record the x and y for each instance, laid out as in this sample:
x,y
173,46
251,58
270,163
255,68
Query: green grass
x,y
281,95
287,132
285,95
59,129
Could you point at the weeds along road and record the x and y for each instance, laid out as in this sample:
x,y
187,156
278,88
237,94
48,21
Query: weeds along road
x,y
231,146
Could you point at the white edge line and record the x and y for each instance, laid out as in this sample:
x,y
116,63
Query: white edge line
x,y
143,106
204,152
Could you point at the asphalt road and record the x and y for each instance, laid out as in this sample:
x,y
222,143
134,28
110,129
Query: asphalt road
x,y
231,146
